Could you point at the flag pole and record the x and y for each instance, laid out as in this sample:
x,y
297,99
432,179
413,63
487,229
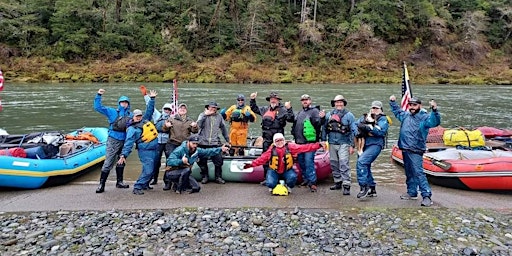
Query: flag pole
x,y
406,89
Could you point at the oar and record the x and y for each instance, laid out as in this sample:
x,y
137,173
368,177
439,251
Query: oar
x,y
439,163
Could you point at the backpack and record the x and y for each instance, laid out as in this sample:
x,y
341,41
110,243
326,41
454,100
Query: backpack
x,y
120,124
309,131
149,132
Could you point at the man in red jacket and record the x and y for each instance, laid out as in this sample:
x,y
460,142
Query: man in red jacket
x,y
279,157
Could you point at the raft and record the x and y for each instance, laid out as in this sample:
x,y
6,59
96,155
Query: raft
x,y
233,168
465,169
50,159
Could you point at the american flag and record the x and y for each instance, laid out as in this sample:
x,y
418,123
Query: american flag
x,y
174,99
406,89
1,86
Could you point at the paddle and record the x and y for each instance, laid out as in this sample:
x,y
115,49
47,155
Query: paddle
x,y
439,163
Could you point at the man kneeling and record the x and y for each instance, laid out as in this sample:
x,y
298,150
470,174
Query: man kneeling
x,y
279,156
180,163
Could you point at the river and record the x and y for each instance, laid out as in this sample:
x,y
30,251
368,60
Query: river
x,y
64,107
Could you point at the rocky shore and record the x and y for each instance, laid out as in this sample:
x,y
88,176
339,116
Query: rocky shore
x,y
258,231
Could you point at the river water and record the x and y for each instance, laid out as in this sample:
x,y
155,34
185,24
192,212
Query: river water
x,y
64,107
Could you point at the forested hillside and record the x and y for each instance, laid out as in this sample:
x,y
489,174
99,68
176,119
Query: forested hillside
x,y
257,41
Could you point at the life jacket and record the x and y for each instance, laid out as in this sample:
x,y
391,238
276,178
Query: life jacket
x,y
83,136
269,119
274,159
309,131
149,132
238,114
120,124
334,124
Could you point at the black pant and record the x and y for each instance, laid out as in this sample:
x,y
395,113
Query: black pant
x,y
217,162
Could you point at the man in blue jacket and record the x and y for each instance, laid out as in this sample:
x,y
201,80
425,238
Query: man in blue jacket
x,y
117,119
142,133
182,159
373,127
414,127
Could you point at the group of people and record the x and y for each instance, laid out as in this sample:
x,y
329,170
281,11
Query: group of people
x,y
185,141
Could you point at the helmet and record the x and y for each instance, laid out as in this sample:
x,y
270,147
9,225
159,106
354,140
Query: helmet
x,y
240,97
280,190
123,98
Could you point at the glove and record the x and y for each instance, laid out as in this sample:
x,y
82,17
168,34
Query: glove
x,y
247,113
247,165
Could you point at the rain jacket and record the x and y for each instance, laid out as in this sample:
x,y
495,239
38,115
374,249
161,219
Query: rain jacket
x,y
180,129
414,128
278,122
134,134
311,113
294,149
163,135
376,136
336,138
210,128
175,159
112,114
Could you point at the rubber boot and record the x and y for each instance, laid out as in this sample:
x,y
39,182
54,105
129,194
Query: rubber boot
x,y
218,175
103,179
167,182
336,186
119,173
204,174
346,190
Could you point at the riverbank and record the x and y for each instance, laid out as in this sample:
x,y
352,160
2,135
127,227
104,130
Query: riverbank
x,y
243,219
240,68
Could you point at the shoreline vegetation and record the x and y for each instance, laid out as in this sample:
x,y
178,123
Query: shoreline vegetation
x,y
244,68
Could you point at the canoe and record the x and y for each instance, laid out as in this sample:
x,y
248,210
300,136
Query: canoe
x,y
49,158
466,169
233,168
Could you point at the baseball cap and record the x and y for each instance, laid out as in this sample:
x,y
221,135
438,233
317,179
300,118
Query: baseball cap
x,y
305,97
137,112
415,100
182,105
377,104
193,138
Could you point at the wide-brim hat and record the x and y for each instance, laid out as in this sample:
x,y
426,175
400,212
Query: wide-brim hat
x,y
212,104
273,95
338,98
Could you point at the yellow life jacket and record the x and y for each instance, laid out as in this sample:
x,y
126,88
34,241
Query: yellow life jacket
x,y
274,159
149,132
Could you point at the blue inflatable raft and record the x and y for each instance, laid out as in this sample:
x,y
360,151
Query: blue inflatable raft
x,y
31,161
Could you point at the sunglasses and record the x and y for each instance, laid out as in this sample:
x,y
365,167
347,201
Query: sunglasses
x,y
279,140
413,104
241,100
375,108
167,109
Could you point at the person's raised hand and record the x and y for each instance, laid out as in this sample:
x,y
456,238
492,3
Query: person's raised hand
x,y
153,93
101,91
253,95
392,98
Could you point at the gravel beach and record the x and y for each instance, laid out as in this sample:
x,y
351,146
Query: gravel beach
x,y
73,220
